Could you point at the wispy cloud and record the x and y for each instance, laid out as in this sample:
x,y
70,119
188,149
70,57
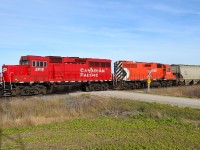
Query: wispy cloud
x,y
171,9
166,8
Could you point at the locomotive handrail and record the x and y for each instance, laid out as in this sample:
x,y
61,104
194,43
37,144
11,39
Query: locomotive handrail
x,y
10,80
3,82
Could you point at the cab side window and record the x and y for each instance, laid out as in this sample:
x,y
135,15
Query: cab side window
x,y
34,64
39,63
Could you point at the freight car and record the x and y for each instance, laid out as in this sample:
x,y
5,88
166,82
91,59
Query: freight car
x,y
45,75
132,75
186,74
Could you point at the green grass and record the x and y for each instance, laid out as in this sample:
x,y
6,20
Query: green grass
x,y
99,123
154,110
105,133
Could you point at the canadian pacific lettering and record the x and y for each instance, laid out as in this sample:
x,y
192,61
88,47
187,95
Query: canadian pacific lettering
x,y
87,73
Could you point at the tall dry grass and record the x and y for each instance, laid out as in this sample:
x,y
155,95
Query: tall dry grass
x,y
27,111
37,110
181,91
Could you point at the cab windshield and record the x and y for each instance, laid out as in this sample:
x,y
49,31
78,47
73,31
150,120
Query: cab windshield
x,y
24,62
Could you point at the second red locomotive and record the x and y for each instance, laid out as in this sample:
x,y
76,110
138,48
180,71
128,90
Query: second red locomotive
x,y
132,75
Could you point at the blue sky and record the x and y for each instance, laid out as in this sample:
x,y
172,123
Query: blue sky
x,y
166,31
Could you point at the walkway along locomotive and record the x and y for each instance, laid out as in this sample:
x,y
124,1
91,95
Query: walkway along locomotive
x,y
51,74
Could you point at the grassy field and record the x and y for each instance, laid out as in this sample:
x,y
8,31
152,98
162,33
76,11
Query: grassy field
x,y
91,122
181,91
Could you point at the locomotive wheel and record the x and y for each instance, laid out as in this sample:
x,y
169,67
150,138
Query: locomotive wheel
x,y
97,87
105,87
132,87
34,91
87,88
25,91
91,87
128,86
42,90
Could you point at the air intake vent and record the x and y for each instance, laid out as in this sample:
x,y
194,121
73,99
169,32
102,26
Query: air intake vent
x,y
55,59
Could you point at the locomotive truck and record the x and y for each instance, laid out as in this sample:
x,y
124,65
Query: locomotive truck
x,y
52,74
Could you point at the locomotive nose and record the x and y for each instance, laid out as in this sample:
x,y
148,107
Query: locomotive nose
x,y
5,72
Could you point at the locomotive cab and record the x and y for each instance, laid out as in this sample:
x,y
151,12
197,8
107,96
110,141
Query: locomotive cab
x,y
24,61
19,79
168,73
17,73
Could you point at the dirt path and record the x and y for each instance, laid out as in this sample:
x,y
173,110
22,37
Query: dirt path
x,y
176,101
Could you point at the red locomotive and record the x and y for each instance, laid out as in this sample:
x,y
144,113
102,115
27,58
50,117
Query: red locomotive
x,y
45,75
41,75
134,74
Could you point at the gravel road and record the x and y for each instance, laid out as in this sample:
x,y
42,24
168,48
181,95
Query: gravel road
x,y
176,101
